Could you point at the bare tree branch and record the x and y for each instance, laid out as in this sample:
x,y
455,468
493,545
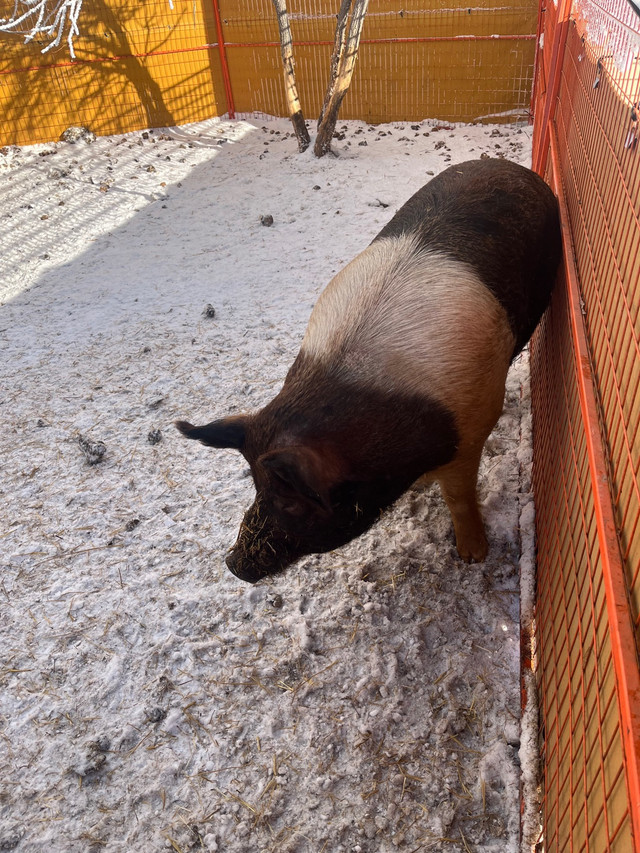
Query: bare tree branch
x,y
45,17
49,18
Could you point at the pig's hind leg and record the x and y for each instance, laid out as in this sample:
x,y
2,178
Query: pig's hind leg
x,y
458,483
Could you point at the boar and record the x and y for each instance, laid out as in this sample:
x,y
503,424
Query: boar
x,y
402,369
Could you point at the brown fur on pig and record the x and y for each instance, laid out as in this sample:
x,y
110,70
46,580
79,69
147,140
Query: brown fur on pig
x,y
402,369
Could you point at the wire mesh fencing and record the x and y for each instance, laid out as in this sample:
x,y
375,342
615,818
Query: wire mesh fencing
x,y
586,401
146,65
136,65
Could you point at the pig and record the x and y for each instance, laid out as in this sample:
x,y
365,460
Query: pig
x,y
401,372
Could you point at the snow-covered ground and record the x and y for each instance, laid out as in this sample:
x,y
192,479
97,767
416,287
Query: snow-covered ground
x,y
365,701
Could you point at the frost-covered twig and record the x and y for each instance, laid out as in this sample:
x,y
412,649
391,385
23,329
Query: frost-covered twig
x,y
46,17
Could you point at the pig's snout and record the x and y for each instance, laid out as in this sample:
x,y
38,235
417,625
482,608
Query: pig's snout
x,y
252,559
262,548
242,568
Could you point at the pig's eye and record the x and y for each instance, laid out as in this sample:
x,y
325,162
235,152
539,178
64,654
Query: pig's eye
x,y
286,504
290,507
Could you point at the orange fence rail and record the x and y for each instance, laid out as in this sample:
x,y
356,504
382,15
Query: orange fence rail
x,y
145,64
586,407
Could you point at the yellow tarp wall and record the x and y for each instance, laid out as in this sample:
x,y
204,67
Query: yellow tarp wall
x,y
146,65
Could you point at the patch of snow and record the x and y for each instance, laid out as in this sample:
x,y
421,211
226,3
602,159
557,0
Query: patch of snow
x,y
364,700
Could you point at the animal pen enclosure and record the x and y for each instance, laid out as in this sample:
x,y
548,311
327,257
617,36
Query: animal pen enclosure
x,y
149,65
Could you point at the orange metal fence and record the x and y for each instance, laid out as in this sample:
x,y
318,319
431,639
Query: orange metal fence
x,y
586,406
145,64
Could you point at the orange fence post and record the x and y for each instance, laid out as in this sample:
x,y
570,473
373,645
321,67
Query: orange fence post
x,y
223,60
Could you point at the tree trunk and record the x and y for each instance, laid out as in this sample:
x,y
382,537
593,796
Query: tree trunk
x,y
291,90
338,51
342,66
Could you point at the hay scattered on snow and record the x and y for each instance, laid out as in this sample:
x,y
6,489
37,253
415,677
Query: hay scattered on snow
x,y
364,700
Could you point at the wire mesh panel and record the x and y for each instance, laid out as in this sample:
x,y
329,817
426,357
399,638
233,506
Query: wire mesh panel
x,y
137,65
416,59
602,178
147,64
585,387
586,800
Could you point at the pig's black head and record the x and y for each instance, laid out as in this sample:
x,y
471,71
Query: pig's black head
x,y
326,459
306,502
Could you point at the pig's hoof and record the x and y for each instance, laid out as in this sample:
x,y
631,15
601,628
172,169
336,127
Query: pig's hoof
x,y
473,548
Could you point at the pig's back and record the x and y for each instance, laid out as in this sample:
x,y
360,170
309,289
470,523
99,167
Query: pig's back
x,y
401,318
502,220
445,296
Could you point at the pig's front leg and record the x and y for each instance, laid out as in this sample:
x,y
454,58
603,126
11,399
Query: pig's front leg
x,y
458,482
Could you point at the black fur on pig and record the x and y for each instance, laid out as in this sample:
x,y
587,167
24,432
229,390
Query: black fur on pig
x,y
500,218
401,371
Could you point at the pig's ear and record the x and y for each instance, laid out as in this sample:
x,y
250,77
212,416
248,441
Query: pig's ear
x,y
227,432
304,471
